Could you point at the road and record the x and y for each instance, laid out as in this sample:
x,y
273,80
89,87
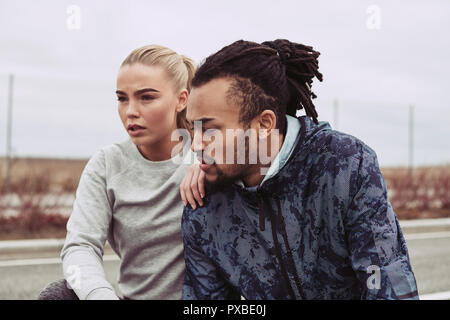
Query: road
x,y
430,260
22,277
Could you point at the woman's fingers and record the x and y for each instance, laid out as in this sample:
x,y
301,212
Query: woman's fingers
x,y
201,183
194,187
184,185
183,196
185,188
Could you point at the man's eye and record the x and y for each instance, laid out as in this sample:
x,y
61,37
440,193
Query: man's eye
x,y
195,128
121,99
209,132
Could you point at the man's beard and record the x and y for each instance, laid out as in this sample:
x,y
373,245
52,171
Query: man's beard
x,y
237,173
223,181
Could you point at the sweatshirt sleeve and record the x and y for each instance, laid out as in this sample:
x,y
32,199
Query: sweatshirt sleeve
x,y
87,229
378,251
202,280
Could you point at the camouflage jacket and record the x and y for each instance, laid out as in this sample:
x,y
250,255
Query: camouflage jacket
x,y
321,228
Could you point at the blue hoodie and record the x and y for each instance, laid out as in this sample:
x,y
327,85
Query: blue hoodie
x,y
321,227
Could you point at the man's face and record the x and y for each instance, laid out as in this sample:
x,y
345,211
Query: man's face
x,y
209,104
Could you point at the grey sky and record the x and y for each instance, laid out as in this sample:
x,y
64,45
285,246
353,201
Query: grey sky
x,y
64,101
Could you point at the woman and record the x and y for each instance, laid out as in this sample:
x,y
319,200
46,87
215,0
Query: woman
x,y
129,192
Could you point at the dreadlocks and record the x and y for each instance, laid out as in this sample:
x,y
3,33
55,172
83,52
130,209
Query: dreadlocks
x,y
274,75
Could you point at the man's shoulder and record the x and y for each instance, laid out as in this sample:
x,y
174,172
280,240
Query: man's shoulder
x,y
214,201
205,218
339,147
339,156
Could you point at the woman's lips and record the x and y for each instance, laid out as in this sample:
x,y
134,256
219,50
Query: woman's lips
x,y
136,132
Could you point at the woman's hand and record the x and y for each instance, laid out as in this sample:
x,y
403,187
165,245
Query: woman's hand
x,y
192,187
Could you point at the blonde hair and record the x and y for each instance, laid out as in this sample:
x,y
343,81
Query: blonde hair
x,y
179,68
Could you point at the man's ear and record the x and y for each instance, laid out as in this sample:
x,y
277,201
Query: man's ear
x,y
267,123
182,100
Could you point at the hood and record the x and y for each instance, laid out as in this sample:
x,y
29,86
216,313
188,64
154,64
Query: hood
x,y
308,133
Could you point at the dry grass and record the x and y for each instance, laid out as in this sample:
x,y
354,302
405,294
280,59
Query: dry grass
x,y
42,175
31,179
422,193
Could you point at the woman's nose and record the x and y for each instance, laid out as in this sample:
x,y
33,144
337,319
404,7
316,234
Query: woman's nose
x,y
132,110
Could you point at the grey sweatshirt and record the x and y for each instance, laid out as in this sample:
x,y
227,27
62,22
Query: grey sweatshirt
x,y
135,204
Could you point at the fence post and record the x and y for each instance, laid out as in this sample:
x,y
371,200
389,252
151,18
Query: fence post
x,y
411,140
336,114
9,134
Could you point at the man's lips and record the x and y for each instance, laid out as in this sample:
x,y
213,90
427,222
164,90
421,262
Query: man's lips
x,y
204,165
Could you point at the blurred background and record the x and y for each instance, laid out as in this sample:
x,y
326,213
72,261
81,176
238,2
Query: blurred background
x,y
385,66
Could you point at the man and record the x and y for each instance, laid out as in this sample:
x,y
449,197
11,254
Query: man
x,y
313,223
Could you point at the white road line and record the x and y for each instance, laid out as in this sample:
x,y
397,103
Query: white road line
x,y
31,245
428,235
7,246
32,262
425,223
436,296
44,261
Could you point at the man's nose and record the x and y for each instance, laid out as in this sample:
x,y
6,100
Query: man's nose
x,y
197,142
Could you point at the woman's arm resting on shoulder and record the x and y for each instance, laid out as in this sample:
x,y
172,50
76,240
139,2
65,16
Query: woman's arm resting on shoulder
x,y
192,188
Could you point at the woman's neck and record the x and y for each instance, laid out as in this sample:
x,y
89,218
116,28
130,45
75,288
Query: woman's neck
x,y
161,150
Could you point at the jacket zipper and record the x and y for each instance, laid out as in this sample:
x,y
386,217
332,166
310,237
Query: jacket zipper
x,y
291,261
278,249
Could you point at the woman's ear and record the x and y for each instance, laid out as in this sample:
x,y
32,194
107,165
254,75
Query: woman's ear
x,y
182,100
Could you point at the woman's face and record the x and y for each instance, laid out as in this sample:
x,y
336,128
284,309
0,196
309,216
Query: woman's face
x,y
149,102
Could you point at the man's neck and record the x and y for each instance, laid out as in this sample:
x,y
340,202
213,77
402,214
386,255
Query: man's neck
x,y
255,177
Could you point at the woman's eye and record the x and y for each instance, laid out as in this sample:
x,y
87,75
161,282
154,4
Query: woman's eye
x,y
147,97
